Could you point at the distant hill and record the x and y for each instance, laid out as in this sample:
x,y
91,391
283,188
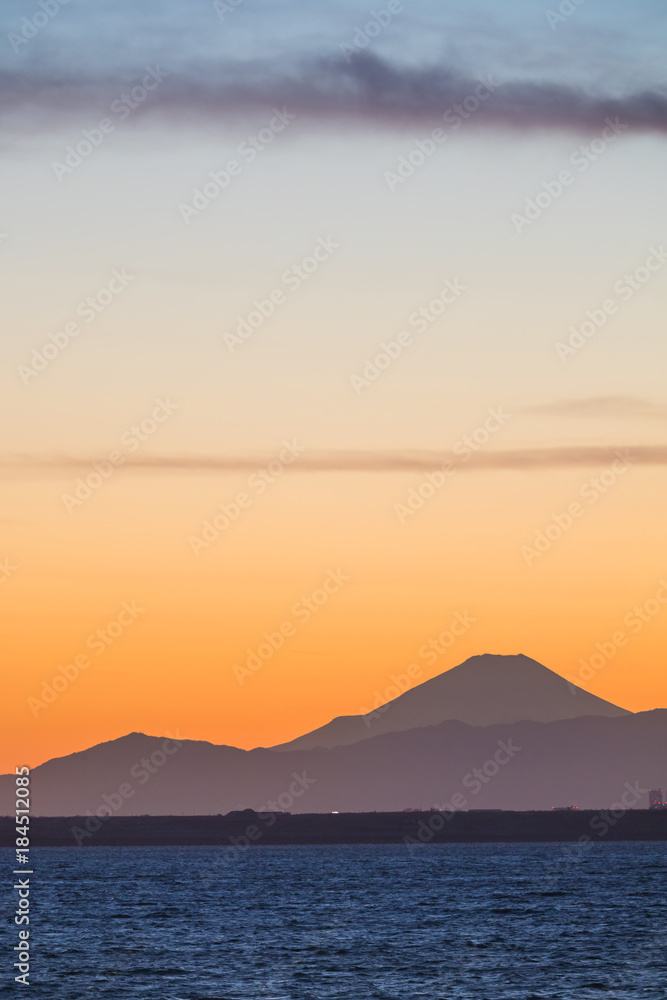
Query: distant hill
x,y
482,691
587,761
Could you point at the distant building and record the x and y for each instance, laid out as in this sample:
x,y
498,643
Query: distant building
x,y
563,809
655,800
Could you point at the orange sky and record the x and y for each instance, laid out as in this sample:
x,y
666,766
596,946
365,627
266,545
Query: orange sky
x,y
158,344
170,667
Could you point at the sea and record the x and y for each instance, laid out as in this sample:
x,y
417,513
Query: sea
x,y
353,922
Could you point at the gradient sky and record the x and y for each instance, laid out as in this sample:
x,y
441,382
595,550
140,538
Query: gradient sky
x,y
340,506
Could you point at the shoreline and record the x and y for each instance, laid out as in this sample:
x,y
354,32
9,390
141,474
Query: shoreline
x,y
248,828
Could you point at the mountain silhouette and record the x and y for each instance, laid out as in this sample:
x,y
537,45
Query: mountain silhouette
x,y
589,762
482,691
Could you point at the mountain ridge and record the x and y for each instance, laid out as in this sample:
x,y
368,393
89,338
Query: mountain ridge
x,y
587,761
485,689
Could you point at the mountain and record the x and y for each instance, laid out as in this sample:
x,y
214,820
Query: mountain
x,y
593,762
482,691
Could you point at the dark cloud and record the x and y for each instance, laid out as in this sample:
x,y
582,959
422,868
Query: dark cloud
x,y
365,87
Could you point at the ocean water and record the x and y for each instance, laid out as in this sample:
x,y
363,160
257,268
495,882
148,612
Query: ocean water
x,y
447,922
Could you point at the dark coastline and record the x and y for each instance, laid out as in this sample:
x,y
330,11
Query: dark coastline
x,y
243,829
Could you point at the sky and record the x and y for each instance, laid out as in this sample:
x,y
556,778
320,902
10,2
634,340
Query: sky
x,y
327,329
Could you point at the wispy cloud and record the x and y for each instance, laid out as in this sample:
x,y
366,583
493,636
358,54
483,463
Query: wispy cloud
x,y
599,406
522,459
